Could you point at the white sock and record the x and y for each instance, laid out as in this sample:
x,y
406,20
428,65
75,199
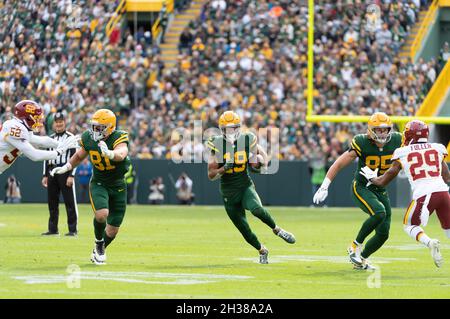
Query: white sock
x,y
447,232
417,233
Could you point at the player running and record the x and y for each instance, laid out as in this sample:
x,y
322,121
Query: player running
x,y
17,137
374,150
428,175
230,154
108,152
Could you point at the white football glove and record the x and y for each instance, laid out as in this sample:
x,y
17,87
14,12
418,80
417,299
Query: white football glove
x,y
368,173
105,151
322,192
68,143
61,170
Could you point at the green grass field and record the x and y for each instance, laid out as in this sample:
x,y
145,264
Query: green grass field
x,y
172,252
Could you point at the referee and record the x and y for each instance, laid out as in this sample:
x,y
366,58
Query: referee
x,y
63,183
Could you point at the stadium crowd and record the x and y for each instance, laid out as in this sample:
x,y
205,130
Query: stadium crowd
x,y
245,55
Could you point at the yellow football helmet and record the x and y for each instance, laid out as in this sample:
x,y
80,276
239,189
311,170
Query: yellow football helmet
x,y
103,123
380,120
230,125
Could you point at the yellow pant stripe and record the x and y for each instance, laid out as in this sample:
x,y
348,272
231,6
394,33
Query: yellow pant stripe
x,y
362,200
408,211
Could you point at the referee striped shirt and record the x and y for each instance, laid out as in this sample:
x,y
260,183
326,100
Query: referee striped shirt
x,y
62,159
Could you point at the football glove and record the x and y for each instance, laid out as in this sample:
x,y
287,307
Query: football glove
x,y
228,165
322,192
368,173
61,170
105,151
68,143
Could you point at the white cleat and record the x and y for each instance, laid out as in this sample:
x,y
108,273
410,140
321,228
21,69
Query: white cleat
x,y
436,252
264,256
98,256
354,254
287,236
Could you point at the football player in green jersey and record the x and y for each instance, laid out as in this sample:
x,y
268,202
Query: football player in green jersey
x,y
230,154
107,149
374,150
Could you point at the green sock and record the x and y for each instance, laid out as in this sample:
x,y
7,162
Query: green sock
x,y
99,229
369,226
107,239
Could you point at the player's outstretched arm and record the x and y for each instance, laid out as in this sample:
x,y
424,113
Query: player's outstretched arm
x,y
445,172
32,153
388,176
43,141
74,161
344,160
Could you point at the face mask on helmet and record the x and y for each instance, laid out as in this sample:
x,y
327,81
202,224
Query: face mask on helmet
x,y
381,135
99,131
34,122
231,132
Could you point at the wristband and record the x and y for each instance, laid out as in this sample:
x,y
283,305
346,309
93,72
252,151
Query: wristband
x,y
326,182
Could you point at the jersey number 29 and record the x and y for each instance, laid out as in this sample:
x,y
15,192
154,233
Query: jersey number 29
x,y
417,160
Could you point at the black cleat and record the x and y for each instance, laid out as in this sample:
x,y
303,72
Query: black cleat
x,y
50,233
71,234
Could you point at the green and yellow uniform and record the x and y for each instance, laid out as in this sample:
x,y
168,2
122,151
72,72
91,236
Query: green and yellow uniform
x,y
236,186
373,200
107,188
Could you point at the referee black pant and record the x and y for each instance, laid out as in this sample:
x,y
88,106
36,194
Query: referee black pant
x,y
55,186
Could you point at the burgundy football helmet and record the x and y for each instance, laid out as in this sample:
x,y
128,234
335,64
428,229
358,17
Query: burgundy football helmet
x,y
30,113
415,132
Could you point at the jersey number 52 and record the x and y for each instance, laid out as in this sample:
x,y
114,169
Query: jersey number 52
x,y
417,160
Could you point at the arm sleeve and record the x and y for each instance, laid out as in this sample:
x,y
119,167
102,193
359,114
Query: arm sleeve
x,y
43,141
29,151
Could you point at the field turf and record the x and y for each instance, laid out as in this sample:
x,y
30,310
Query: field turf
x,y
174,252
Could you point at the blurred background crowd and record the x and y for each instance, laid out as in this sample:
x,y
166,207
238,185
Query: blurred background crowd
x,y
246,55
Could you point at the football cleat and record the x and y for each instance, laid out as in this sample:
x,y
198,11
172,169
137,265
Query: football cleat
x,y
287,236
354,254
365,265
50,233
98,256
435,252
263,256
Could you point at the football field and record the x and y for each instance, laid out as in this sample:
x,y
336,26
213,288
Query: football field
x,y
172,252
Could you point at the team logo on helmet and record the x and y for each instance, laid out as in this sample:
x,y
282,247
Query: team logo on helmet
x,y
30,113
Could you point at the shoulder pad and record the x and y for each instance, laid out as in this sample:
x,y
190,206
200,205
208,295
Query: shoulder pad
x,y
16,130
